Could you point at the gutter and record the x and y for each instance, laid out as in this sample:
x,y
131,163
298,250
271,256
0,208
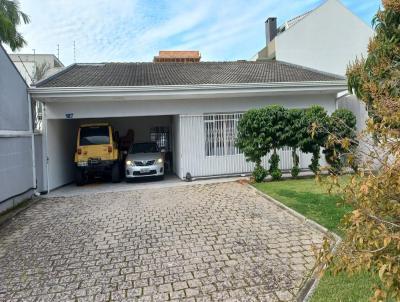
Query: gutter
x,y
185,90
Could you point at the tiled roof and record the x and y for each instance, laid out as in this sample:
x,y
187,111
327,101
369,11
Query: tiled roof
x,y
146,74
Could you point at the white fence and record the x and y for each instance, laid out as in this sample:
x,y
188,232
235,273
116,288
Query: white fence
x,y
207,147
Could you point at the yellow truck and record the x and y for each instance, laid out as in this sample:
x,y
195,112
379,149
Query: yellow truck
x,y
97,153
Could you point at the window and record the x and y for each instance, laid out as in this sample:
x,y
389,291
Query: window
x,y
160,135
94,136
220,134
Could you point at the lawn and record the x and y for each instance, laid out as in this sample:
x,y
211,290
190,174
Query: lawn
x,y
313,201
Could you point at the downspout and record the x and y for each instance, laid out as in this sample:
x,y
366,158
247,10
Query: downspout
x,y
31,130
45,148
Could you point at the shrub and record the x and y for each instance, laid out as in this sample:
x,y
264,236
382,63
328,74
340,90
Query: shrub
x,y
341,140
315,134
259,173
274,170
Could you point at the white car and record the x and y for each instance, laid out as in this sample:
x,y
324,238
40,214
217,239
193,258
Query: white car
x,y
144,160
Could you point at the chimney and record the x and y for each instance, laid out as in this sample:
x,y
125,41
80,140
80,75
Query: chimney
x,y
270,29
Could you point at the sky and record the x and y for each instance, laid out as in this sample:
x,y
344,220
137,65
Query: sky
x,y
135,30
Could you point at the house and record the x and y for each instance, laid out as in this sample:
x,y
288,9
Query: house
x,y
34,67
199,105
326,38
178,56
17,150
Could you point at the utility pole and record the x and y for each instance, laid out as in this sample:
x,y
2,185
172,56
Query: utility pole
x,y
74,53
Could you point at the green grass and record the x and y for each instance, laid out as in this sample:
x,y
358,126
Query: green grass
x,y
310,199
313,201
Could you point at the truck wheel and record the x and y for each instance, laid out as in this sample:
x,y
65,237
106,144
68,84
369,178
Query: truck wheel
x,y
79,177
115,173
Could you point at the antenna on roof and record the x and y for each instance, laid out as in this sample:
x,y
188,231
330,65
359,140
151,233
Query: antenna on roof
x,y
58,51
74,53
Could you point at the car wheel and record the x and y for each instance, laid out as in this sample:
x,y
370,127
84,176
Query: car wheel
x,y
115,173
80,178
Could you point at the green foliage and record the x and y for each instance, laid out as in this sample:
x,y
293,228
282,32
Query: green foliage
x,y
259,173
260,131
372,240
251,136
314,136
341,140
10,18
274,170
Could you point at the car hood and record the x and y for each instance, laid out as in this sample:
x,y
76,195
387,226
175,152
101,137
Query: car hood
x,y
143,156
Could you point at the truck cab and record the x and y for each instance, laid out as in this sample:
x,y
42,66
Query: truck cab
x,y
97,153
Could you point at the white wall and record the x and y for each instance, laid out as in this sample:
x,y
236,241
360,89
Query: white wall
x,y
61,143
327,39
57,110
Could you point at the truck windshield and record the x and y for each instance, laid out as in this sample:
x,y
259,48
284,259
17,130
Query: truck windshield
x,y
94,136
144,148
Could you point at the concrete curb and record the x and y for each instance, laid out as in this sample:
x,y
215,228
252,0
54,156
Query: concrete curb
x,y
311,284
9,216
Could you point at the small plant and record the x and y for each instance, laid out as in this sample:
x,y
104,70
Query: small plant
x,y
295,169
314,166
259,173
274,170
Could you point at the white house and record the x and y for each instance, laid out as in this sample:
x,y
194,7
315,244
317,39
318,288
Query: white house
x,y
326,38
198,105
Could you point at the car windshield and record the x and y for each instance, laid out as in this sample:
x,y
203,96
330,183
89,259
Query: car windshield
x,y
144,148
96,135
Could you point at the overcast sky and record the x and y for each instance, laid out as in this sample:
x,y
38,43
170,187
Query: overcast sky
x,y
135,30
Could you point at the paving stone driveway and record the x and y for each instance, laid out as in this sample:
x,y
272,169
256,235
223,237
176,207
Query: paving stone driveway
x,y
215,242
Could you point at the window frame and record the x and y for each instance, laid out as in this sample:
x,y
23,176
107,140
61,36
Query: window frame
x,y
220,132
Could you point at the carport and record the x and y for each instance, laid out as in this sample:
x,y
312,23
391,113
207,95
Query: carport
x,y
60,141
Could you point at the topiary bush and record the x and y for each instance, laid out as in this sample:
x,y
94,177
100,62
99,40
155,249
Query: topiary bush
x,y
295,171
259,173
274,170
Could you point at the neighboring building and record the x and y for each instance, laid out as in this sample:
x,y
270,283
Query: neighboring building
x,y
178,56
197,105
326,38
34,67
17,162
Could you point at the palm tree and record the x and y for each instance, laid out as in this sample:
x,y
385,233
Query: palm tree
x,y
10,18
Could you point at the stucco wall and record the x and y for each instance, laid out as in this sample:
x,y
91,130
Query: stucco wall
x,y
191,106
16,164
327,39
13,96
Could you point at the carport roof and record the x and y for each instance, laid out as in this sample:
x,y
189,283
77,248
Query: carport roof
x,y
159,74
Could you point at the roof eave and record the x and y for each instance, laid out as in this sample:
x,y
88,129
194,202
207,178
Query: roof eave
x,y
187,91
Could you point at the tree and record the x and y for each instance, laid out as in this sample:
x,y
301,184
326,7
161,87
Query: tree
x,y
10,18
251,140
296,123
314,135
275,120
341,141
372,238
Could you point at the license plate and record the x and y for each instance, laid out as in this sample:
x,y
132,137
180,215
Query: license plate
x,y
144,170
82,164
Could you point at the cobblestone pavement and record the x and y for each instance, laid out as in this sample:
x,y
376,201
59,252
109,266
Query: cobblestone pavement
x,y
215,242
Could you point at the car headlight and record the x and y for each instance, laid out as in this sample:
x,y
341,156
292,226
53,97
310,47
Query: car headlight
x,y
160,161
130,163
